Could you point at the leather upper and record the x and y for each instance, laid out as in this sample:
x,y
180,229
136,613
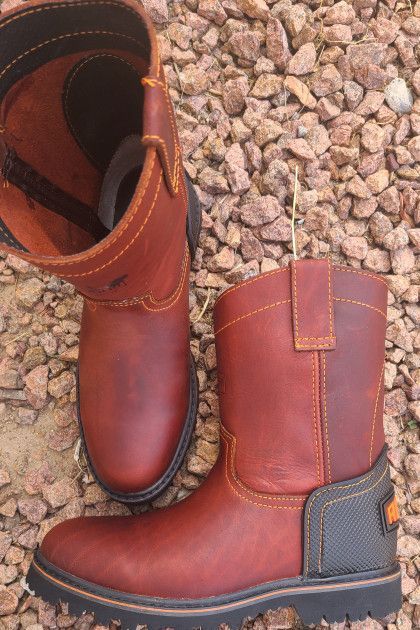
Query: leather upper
x,y
291,420
134,360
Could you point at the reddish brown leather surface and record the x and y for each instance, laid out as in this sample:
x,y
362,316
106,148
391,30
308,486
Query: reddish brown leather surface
x,y
134,345
313,312
159,132
322,410
267,388
134,386
250,509
220,539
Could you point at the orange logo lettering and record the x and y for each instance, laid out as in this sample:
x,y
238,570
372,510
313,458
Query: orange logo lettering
x,y
392,514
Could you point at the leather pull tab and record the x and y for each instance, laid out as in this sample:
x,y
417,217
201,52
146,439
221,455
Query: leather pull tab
x,y
312,305
160,130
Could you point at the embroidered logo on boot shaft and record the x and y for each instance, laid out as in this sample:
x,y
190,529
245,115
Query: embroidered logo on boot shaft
x,y
389,513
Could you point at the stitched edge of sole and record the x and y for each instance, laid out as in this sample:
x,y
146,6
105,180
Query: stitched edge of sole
x,y
355,597
154,491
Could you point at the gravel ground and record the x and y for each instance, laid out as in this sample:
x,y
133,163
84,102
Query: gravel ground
x,y
260,88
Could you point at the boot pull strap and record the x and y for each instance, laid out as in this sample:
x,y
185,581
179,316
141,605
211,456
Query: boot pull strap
x,y
159,129
312,305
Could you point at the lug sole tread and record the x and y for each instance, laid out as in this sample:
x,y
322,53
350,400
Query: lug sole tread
x,y
354,603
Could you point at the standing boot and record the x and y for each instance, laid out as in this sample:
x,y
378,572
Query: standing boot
x,y
94,192
299,509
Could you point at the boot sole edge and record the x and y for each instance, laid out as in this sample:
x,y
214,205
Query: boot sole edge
x,y
151,493
333,600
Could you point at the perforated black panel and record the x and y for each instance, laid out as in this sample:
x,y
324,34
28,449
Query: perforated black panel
x,y
344,530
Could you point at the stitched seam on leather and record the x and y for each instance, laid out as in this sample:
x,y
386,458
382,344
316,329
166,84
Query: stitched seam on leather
x,y
180,288
314,418
293,268
66,5
339,499
152,82
136,235
59,38
163,84
232,454
258,310
264,505
330,338
361,304
174,178
284,269
314,498
61,580
321,418
327,439
329,297
374,414
118,235
244,284
362,273
54,264
75,72
173,297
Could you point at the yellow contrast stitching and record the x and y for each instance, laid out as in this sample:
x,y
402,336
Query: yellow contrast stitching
x,y
151,82
318,494
373,308
284,269
258,310
175,177
232,453
329,297
177,293
264,505
109,262
59,38
374,414
118,235
295,301
250,281
329,503
330,339
362,273
314,418
327,440
50,7
132,301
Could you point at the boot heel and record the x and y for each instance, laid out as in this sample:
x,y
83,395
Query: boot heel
x,y
193,216
353,602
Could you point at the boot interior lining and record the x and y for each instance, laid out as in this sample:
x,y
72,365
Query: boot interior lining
x,y
66,106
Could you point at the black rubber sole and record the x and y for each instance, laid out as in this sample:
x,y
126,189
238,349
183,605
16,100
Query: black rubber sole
x,y
151,493
377,594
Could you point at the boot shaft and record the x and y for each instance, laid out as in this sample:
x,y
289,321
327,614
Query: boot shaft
x,y
300,358
76,79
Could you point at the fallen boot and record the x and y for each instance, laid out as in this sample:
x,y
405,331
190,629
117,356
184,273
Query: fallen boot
x,y
299,509
93,191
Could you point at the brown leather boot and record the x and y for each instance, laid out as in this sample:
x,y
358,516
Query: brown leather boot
x,y
94,191
299,509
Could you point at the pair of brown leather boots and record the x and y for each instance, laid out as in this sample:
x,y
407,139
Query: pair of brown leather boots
x,y
299,509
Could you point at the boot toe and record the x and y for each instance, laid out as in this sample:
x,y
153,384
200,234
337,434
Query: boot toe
x,y
139,473
87,547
